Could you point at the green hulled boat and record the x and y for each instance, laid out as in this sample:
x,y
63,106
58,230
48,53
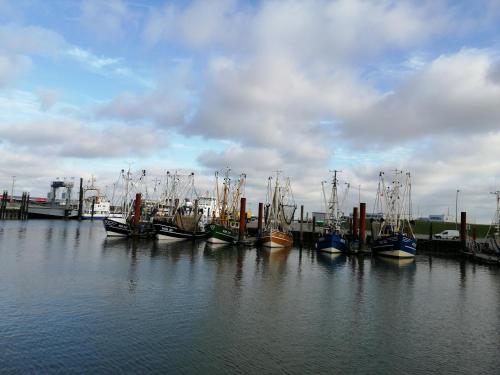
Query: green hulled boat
x,y
223,228
220,234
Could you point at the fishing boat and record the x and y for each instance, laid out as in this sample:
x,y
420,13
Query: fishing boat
x,y
177,221
118,225
224,225
280,208
95,204
395,236
127,222
493,234
333,239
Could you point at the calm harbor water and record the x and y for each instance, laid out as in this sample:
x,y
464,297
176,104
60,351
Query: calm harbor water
x,y
73,301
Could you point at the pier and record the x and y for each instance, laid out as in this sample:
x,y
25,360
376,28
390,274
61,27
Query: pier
x,y
11,209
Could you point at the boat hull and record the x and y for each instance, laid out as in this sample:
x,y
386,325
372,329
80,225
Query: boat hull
x,y
276,239
116,227
396,246
219,234
51,212
332,243
95,217
170,232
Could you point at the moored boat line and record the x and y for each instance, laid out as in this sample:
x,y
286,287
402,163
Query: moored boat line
x,y
395,237
223,226
333,239
279,212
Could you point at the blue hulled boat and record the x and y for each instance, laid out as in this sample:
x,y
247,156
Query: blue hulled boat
x,y
395,237
332,243
333,239
398,245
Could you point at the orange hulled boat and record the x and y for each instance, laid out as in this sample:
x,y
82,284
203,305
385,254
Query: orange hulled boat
x,y
280,209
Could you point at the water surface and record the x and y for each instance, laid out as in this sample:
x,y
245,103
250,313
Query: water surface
x,y
73,301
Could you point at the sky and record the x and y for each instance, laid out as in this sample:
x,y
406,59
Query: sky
x,y
88,88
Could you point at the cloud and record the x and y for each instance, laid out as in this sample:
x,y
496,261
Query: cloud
x,y
48,98
12,67
106,19
160,107
29,40
167,105
87,58
69,138
198,24
454,94
309,32
18,44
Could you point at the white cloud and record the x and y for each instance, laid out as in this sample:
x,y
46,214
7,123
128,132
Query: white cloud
x,y
454,94
309,32
18,44
29,40
108,19
87,58
198,24
74,139
12,67
48,98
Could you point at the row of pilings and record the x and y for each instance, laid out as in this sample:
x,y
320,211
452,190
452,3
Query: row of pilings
x,y
10,210
307,232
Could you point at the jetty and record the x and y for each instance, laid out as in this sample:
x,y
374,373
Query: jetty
x,y
14,209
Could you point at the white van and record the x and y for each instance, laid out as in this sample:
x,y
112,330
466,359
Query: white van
x,y
450,234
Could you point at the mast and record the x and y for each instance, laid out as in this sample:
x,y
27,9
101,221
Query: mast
x,y
335,203
226,183
276,199
393,201
495,224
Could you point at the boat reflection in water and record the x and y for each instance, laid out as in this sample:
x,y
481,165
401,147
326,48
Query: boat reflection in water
x,y
209,247
331,260
276,257
397,262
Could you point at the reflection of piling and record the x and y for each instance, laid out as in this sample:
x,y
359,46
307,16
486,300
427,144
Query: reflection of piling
x,y
355,222
80,200
259,219
243,217
362,224
93,209
463,228
137,209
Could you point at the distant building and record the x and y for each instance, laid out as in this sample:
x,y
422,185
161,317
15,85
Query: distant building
x,y
442,218
369,215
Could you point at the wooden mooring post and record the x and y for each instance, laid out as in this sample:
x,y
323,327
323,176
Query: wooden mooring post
x,y
301,235
243,219
362,225
137,209
260,219
3,204
463,229
313,234
80,200
355,223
